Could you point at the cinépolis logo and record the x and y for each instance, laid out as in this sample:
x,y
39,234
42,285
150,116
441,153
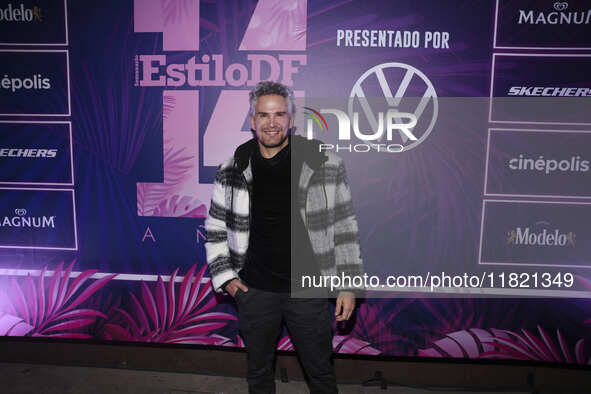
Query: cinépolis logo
x,y
560,15
18,13
541,235
21,219
548,91
548,165
37,81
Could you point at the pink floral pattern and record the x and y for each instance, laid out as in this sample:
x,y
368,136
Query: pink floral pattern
x,y
50,310
163,314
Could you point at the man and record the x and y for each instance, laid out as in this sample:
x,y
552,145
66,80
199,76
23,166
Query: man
x,y
251,225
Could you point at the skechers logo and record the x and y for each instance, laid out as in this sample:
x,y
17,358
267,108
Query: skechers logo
x,y
16,152
552,91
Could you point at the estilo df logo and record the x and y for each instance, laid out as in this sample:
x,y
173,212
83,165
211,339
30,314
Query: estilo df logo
x,y
19,13
392,108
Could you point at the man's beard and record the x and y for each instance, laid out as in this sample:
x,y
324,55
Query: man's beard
x,y
274,145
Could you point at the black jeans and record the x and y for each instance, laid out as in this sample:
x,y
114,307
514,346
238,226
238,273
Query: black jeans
x,y
309,324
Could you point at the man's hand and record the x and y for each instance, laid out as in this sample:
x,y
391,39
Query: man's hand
x,y
345,305
233,286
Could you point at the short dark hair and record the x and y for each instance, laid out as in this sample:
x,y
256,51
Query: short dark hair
x,y
269,87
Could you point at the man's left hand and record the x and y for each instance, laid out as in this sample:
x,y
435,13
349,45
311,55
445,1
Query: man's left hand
x,y
345,305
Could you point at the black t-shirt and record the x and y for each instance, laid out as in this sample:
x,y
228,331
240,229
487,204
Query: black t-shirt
x,y
273,211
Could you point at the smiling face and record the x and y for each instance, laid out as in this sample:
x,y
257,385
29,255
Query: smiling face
x,y
271,122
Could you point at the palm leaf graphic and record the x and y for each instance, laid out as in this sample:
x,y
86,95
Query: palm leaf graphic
x,y
526,346
506,344
375,323
229,343
347,344
107,304
587,283
13,326
468,343
52,310
151,195
162,314
183,207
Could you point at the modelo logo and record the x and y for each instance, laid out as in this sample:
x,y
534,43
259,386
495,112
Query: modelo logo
x,y
534,237
557,17
21,220
547,166
20,14
16,152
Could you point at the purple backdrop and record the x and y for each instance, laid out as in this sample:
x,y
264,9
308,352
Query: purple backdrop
x,y
113,118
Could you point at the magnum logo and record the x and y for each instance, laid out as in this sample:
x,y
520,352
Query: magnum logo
x,y
21,220
560,16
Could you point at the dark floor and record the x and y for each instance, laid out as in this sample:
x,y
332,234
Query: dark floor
x,y
49,379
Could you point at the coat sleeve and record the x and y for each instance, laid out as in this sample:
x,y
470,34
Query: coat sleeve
x,y
216,245
346,233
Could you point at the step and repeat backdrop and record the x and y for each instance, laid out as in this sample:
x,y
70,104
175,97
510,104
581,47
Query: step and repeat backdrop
x,y
465,127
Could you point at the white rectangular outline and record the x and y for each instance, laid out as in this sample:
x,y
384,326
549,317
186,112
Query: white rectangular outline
x,y
50,43
67,77
69,123
533,48
492,79
480,262
490,129
98,275
75,247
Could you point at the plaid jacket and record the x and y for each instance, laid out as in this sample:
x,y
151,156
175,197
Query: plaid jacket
x,y
324,201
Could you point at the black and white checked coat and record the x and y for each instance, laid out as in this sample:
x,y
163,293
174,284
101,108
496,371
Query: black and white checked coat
x,y
324,201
